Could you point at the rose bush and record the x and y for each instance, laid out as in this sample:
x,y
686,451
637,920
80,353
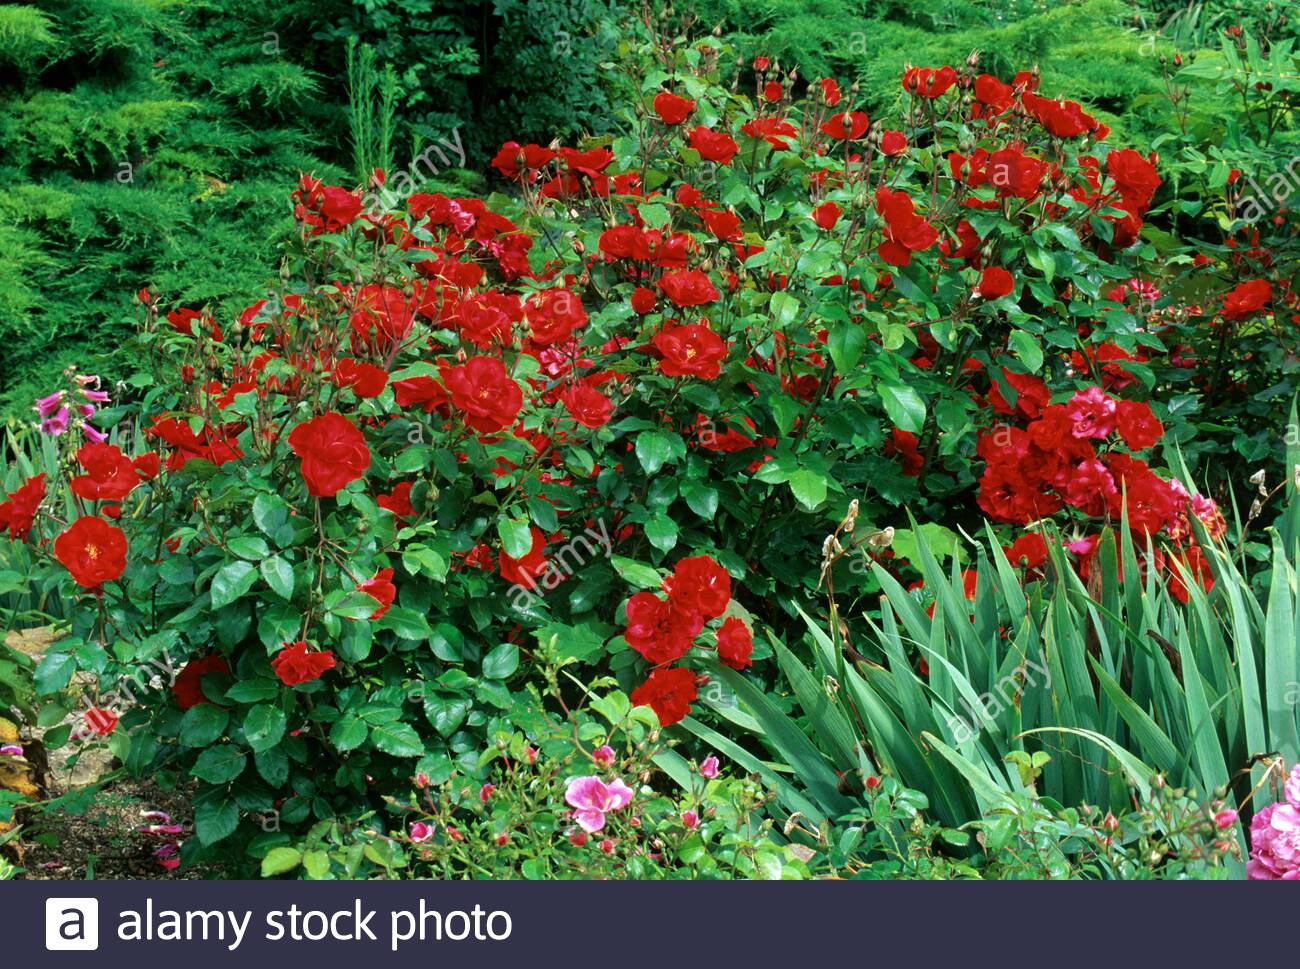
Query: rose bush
x,y
600,426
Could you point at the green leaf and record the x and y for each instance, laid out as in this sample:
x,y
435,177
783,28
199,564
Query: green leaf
x,y
847,341
54,672
808,487
1027,349
280,860
516,536
264,726
215,820
700,498
278,575
398,739
905,407
218,765
232,582
654,449
249,547
270,512
203,725
661,532
349,732
501,662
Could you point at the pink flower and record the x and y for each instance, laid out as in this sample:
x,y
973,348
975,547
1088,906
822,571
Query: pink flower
x,y
485,792
422,780
690,819
1092,413
49,406
709,768
93,435
607,846
603,756
1226,818
11,750
1275,837
591,799
421,832
56,423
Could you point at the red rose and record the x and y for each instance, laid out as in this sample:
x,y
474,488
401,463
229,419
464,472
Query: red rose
x,y
893,142
586,405
735,644
338,206
777,132
423,392
1092,413
905,231
658,629
333,453
671,108
1138,426
689,287
553,315
1032,395
700,585
93,551
489,397
1134,176
714,146
100,721
826,215
669,693
188,688
381,589
487,318
830,91
901,443
849,126
1247,299
995,282
690,351
365,379
18,510
928,82
643,301
147,465
399,502
110,474
525,571
1028,551
295,664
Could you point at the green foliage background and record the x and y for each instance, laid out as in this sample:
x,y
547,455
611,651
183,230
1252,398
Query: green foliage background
x,y
154,142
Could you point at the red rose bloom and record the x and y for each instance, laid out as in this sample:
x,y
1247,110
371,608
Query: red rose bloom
x,y
669,693
643,301
995,282
18,510
365,379
100,721
587,405
188,688
295,664
1028,551
1134,176
699,585
93,551
893,143
714,146
689,287
423,392
525,571
905,231
658,629
1092,413
381,589
110,474
735,644
672,108
399,502
333,453
1137,425
929,82
553,315
849,126
1247,299
826,215
690,351
482,389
